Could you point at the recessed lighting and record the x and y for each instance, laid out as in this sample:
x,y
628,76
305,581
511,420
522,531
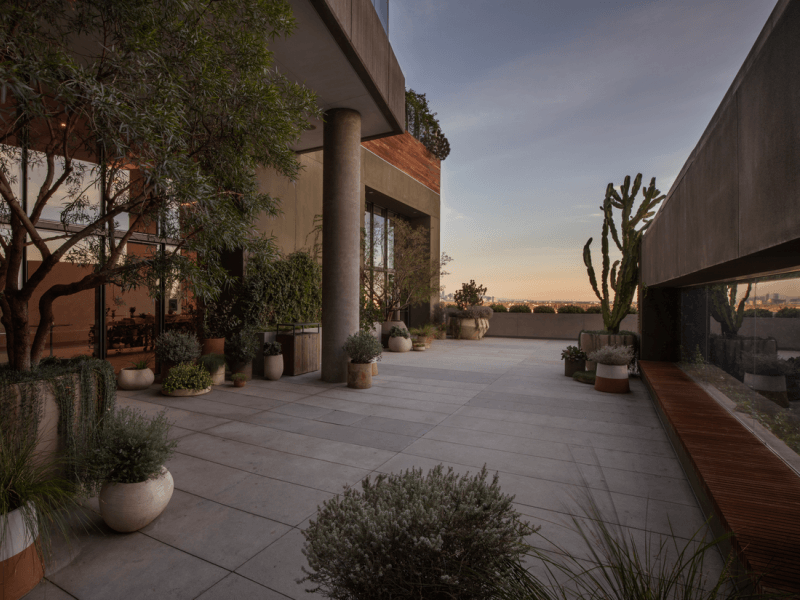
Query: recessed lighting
x,y
63,124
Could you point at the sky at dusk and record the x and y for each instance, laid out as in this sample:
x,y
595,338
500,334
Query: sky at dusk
x,y
547,101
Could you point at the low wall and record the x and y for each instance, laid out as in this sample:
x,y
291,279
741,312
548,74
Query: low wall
x,y
550,326
785,331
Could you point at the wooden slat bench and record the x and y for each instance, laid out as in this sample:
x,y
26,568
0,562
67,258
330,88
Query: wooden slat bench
x,y
753,494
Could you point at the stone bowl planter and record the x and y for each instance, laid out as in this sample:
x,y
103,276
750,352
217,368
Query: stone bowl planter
x,y
386,327
273,367
359,375
127,507
186,393
399,344
612,379
135,379
772,387
470,329
20,565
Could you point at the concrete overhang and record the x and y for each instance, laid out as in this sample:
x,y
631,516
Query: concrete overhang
x,y
341,51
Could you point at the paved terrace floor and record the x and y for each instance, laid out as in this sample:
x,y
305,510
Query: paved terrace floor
x,y
254,463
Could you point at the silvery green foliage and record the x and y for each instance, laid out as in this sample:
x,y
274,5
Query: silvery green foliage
x,y
612,355
362,347
411,535
177,346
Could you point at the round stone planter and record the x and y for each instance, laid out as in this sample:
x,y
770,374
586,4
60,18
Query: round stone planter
x,y
213,346
20,565
359,375
471,329
127,507
386,327
273,367
399,344
135,379
612,379
573,366
186,393
772,387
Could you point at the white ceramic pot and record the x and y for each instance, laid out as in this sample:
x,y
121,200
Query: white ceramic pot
x,y
399,344
20,565
273,367
612,379
127,507
135,379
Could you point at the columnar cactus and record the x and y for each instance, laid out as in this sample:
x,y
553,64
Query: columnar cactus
x,y
722,302
623,281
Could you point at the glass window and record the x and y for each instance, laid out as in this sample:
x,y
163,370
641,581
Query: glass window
x,y
378,240
76,200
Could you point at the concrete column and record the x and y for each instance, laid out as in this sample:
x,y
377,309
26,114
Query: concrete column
x,y
341,244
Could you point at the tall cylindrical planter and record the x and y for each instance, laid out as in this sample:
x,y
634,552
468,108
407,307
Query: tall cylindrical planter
x,y
20,565
359,375
273,367
127,507
612,379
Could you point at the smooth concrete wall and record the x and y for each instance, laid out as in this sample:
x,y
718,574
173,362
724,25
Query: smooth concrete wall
x,y
733,209
550,326
785,331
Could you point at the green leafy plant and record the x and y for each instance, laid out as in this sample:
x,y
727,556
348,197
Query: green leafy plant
x,y
520,308
425,331
423,125
410,535
585,376
470,294
241,347
570,309
218,319
788,313
238,377
544,309
623,282
761,313
399,332
212,362
499,308
176,346
362,347
612,355
140,365
272,349
573,353
132,447
187,376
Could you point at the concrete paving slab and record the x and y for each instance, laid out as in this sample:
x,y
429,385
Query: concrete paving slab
x,y
376,410
236,587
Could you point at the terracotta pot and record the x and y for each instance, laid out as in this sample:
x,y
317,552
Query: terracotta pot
x,y
213,346
612,379
359,375
572,366
185,393
273,367
399,344
20,565
239,382
127,507
135,379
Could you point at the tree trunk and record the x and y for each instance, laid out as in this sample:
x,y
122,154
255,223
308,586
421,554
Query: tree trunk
x,y
18,343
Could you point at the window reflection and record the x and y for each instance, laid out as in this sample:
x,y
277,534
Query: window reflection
x,y
76,200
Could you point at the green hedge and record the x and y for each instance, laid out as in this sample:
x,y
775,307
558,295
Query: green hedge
x,y
498,308
788,313
570,309
520,308
762,313
544,309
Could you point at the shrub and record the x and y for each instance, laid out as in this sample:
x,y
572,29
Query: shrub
x,y
788,313
470,294
177,347
212,362
612,355
130,447
425,331
398,332
241,347
272,349
411,535
544,309
520,308
761,313
570,309
498,308
187,376
584,377
765,364
573,353
362,347
238,377
594,310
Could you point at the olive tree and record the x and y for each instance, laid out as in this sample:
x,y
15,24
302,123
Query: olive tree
x,y
144,118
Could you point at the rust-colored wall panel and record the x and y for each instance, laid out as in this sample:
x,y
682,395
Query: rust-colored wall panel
x,y
409,155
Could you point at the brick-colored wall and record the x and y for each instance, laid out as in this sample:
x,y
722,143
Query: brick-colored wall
x,y
409,155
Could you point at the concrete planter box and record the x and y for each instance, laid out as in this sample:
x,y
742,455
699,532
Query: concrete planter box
x,y
551,326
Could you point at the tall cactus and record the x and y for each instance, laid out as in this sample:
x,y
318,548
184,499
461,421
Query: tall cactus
x,y
623,281
722,302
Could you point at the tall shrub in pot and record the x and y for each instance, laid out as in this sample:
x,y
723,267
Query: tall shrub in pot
x,y
175,347
363,349
241,348
273,361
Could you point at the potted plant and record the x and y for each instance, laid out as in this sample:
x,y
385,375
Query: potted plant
x,y
472,323
215,365
137,377
399,340
273,361
612,368
187,380
128,458
239,379
574,360
240,349
218,320
418,346
175,347
362,348
766,374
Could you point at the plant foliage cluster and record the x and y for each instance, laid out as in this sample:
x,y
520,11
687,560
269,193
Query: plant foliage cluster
x,y
573,353
570,309
499,308
411,535
542,309
175,346
612,355
761,313
187,376
788,312
362,347
470,294
520,308
766,364
241,347
272,349
423,125
399,332
212,362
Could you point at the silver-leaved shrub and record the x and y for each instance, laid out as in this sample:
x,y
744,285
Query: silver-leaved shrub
x,y
409,535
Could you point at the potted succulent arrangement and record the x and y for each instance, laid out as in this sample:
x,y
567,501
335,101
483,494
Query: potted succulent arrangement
x,y
574,360
362,348
128,458
273,361
418,346
187,379
399,340
175,347
766,374
215,365
137,377
612,368
240,349
239,380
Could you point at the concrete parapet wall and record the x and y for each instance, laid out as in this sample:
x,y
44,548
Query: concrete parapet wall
x,y
785,331
550,326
